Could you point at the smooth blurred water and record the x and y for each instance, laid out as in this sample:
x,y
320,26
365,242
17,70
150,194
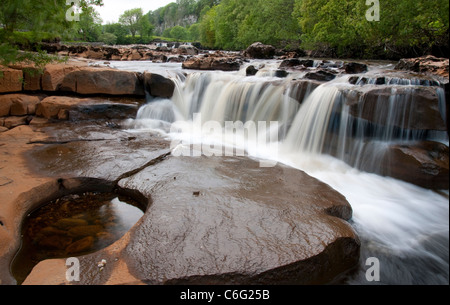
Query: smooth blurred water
x,y
405,226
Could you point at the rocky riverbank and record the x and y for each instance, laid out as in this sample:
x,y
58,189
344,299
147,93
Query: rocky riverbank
x,y
78,89
203,224
62,132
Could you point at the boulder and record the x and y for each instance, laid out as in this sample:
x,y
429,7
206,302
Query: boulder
x,y
81,245
330,64
320,75
425,64
281,73
77,49
260,51
300,89
135,55
158,86
14,121
66,223
251,70
55,242
18,104
93,53
54,75
22,104
295,63
212,63
176,59
425,164
111,52
187,50
83,231
207,225
416,108
224,229
56,107
355,68
32,79
51,48
10,80
31,76
89,80
5,105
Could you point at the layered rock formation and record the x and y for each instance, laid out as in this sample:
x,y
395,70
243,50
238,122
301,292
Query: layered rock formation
x,y
69,90
78,78
213,63
425,64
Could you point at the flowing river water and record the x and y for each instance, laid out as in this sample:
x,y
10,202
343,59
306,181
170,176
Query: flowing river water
x,y
403,226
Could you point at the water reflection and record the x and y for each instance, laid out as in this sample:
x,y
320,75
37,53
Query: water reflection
x,y
71,226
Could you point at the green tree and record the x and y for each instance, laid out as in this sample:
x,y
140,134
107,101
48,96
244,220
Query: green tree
x,y
235,24
185,8
406,27
108,38
270,22
146,28
118,30
333,25
229,17
36,19
178,32
89,27
194,32
132,20
207,28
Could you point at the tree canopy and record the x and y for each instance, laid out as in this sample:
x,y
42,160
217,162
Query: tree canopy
x,y
323,27
24,22
333,27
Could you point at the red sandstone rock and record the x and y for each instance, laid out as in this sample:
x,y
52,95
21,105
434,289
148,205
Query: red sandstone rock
x,y
415,108
212,63
54,75
425,64
22,104
89,80
11,80
425,164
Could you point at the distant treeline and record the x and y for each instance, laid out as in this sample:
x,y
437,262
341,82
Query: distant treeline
x,y
331,28
334,28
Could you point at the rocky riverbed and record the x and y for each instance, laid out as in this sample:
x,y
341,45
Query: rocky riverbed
x,y
208,220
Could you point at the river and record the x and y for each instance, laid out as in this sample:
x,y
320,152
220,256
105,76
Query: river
x,y
403,226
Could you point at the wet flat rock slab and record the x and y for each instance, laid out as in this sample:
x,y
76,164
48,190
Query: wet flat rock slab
x,y
211,220
228,221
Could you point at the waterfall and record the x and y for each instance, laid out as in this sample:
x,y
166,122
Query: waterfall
x,y
354,122
308,130
332,131
226,97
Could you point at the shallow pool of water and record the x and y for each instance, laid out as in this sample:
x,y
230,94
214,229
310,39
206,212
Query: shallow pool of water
x,y
71,226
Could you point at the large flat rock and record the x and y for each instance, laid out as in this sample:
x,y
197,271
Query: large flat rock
x,y
228,221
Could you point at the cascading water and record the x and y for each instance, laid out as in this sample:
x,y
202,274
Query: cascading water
x,y
325,131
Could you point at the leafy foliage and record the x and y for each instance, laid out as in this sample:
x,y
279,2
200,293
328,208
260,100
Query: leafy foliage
x,y
26,22
406,27
330,27
326,27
